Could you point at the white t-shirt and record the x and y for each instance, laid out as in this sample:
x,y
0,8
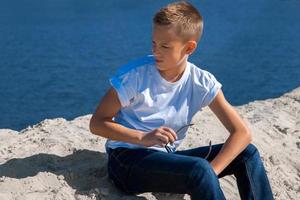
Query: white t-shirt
x,y
149,101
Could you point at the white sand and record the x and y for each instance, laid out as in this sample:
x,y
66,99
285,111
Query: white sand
x,y
59,159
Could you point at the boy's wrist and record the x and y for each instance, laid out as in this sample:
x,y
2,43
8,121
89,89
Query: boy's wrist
x,y
217,172
140,136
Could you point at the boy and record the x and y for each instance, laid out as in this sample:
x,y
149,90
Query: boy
x,y
152,97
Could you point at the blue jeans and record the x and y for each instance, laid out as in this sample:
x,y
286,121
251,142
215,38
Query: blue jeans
x,y
186,172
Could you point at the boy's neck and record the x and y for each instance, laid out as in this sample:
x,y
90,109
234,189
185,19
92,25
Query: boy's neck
x,y
174,75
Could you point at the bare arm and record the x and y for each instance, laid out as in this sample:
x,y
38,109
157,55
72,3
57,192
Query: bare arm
x,y
102,124
240,135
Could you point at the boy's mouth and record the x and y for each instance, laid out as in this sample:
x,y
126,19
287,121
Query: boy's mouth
x,y
158,61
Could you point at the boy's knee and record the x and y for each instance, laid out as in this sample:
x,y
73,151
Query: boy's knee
x,y
202,174
250,151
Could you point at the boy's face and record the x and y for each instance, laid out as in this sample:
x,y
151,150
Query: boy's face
x,y
169,50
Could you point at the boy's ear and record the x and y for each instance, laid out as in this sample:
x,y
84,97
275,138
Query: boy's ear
x,y
191,47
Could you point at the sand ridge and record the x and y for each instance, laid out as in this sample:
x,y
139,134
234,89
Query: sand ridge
x,y
59,159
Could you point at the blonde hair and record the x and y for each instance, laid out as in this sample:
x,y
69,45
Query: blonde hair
x,y
182,16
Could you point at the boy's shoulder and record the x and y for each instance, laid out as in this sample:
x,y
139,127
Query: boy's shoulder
x,y
198,70
136,64
203,77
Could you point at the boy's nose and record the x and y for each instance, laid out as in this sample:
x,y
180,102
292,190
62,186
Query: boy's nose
x,y
155,52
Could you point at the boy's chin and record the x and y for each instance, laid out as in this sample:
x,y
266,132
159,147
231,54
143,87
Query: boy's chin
x,y
159,66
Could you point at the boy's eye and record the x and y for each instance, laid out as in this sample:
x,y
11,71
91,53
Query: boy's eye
x,y
165,46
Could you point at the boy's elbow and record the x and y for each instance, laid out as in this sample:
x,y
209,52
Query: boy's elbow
x,y
245,135
96,125
92,125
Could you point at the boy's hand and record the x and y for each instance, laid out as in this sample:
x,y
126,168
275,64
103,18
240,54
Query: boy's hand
x,y
160,136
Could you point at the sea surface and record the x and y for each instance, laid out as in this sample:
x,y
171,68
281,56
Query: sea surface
x,y
56,56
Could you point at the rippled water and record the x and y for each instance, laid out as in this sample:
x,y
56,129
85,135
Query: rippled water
x,y
56,55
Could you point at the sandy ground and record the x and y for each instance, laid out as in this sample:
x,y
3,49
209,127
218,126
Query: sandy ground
x,y
59,159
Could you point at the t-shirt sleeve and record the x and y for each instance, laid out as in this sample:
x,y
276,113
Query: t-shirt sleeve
x,y
125,82
211,88
125,86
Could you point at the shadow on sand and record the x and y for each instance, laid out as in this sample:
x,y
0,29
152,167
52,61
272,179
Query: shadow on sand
x,y
84,170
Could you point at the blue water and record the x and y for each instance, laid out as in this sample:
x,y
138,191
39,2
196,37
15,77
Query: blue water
x,y
56,55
